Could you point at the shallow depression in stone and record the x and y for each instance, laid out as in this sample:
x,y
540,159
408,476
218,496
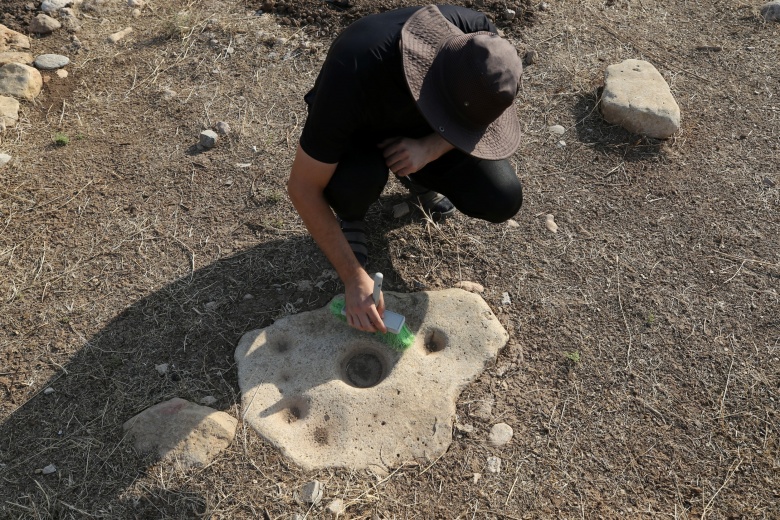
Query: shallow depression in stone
x,y
363,369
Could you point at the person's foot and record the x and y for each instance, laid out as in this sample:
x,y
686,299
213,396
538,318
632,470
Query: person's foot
x,y
434,204
355,233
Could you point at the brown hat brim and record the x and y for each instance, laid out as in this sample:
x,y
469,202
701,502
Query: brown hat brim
x,y
422,36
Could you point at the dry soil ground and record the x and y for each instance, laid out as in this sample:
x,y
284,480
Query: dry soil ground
x,y
642,375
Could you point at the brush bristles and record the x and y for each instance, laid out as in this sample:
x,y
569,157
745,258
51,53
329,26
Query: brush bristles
x,y
398,342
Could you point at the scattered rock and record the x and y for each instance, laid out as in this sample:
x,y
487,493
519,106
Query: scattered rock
x,y
169,94
638,98
61,73
494,465
336,507
10,40
44,24
466,429
470,286
401,210
69,20
178,429
48,470
136,13
162,368
556,129
549,223
509,14
475,478
208,400
223,128
484,411
49,390
544,6
16,57
208,139
248,296
530,58
21,81
505,299
120,34
9,112
139,4
771,11
311,493
52,6
4,159
51,61
512,223
561,144
500,434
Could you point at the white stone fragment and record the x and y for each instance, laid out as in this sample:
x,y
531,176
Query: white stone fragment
x,y
208,139
208,400
162,368
222,128
556,129
336,507
638,98
48,470
52,6
549,223
4,159
505,299
500,434
494,465
49,390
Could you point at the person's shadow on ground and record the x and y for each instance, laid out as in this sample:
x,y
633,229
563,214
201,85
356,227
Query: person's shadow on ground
x,y
193,325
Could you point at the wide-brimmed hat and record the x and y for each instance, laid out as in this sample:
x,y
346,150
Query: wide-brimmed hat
x,y
463,83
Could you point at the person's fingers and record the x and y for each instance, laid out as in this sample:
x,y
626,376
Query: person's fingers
x,y
388,141
376,321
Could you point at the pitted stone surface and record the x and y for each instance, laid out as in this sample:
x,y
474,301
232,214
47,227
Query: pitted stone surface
x,y
296,391
638,98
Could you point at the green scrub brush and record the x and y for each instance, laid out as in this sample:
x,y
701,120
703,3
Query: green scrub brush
x,y
398,335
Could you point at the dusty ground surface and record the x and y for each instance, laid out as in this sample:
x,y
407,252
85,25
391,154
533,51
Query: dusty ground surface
x,y
641,378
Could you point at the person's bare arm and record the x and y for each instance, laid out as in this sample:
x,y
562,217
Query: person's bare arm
x,y
306,186
405,155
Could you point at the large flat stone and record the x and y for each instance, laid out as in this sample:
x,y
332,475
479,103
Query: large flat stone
x,y
638,98
306,381
178,429
16,57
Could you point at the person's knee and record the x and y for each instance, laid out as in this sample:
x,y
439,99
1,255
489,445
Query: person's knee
x,y
506,203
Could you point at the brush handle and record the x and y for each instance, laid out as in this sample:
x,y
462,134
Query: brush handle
x,y
378,277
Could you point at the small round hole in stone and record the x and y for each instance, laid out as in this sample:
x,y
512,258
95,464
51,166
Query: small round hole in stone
x,y
364,369
436,341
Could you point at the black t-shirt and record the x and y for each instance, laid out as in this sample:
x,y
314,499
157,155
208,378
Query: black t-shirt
x,y
361,95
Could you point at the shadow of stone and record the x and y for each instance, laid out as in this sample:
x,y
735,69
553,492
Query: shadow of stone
x,y
193,324
609,139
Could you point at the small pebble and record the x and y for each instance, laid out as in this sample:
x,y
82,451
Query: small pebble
x,y
544,6
500,434
208,139
512,223
505,299
561,144
771,11
556,129
484,411
120,34
549,223
509,14
136,13
210,306
223,128
470,286
249,297
476,477
162,368
51,61
48,470
401,210
336,506
464,428
311,493
208,400
169,94
61,73
136,3
494,465
4,159
48,391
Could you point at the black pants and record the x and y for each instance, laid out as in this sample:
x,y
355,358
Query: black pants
x,y
487,190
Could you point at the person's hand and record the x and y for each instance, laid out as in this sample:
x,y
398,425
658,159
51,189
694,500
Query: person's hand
x,y
362,314
404,155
